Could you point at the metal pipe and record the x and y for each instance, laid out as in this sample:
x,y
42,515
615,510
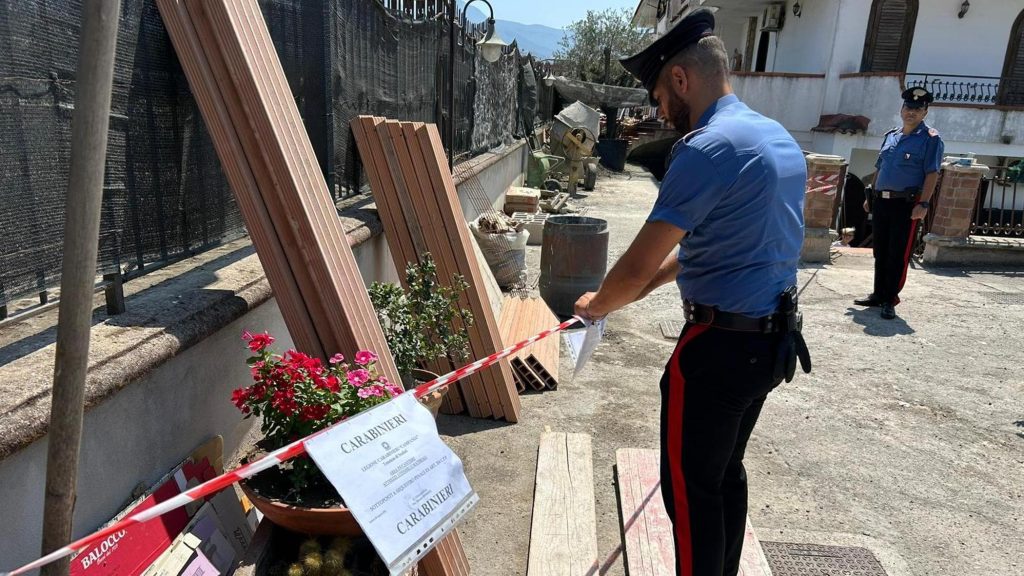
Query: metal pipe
x,y
94,75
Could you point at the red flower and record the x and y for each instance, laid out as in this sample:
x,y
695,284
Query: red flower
x,y
333,383
239,398
314,412
257,342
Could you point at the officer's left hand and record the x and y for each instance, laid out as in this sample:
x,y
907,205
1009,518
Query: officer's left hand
x,y
918,213
582,307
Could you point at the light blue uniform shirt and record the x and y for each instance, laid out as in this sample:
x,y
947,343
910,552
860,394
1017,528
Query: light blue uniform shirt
x,y
736,184
905,159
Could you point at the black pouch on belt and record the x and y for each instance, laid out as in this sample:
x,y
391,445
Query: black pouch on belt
x,y
791,345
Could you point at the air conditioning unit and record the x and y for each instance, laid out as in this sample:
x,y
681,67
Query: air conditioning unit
x,y
774,15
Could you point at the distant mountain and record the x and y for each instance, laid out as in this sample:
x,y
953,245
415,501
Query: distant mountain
x,y
541,41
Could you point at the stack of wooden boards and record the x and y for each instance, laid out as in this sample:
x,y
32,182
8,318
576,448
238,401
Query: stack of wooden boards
x,y
231,64
535,366
240,87
419,208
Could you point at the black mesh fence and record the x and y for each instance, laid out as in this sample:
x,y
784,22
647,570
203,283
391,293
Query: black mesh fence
x,y
165,197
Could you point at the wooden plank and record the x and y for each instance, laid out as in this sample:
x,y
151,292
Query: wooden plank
x,y
201,69
646,528
447,559
425,206
455,225
563,537
319,256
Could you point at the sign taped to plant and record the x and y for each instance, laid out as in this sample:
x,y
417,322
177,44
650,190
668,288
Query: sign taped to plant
x,y
405,487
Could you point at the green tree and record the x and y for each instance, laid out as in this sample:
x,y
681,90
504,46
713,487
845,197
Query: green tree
x,y
583,47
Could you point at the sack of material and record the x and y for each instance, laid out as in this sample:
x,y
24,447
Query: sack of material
x,y
505,253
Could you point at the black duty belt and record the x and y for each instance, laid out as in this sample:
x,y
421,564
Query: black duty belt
x,y
897,194
708,316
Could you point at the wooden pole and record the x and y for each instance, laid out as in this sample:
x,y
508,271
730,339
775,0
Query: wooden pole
x,y
89,125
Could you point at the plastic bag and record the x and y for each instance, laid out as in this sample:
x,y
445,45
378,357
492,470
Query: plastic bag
x,y
505,254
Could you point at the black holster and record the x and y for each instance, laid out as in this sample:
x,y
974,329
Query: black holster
x,y
791,345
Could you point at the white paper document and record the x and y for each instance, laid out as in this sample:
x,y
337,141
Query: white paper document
x,y
405,487
582,344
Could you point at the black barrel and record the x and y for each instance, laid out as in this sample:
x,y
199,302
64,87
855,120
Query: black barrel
x,y
573,260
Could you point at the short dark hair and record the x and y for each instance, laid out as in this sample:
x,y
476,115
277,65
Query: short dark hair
x,y
707,56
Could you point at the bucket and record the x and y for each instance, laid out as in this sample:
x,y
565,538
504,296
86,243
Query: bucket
x,y
613,153
573,260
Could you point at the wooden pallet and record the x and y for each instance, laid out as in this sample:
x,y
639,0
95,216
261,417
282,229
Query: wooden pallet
x,y
563,536
420,211
535,366
646,528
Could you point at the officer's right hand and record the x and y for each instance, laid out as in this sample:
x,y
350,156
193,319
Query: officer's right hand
x,y
866,207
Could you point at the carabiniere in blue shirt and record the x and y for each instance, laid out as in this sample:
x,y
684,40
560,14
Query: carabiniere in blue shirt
x,y
736,184
905,159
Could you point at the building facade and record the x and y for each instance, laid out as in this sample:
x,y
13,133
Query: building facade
x,y
831,71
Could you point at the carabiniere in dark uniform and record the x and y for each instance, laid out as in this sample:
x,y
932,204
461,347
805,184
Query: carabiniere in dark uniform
x,y
907,171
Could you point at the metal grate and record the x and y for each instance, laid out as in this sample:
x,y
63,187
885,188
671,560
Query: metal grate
x,y
793,559
671,329
1008,298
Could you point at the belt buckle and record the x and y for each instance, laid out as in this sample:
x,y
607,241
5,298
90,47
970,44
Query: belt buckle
x,y
886,194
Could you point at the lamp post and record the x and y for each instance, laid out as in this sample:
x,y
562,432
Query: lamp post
x,y
490,47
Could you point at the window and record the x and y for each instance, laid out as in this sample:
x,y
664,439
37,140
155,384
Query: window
x,y
890,32
1011,86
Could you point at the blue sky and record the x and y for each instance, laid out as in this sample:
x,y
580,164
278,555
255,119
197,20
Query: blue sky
x,y
554,13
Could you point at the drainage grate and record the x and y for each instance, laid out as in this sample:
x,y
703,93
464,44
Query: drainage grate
x,y
791,559
671,329
1009,298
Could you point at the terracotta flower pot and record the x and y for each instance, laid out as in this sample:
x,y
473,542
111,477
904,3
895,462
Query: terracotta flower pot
x,y
336,521
433,400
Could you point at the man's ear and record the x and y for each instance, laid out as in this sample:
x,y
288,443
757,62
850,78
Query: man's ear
x,y
679,80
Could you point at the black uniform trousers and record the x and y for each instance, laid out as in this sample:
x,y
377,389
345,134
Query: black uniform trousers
x,y
893,239
712,392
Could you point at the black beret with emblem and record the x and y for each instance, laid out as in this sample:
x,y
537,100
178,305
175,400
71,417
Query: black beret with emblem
x,y
646,65
917,97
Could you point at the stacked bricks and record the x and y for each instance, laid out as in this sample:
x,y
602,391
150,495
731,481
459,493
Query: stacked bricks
x,y
954,202
825,176
522,200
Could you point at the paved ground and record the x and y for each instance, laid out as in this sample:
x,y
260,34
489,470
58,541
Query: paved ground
x,y
908,438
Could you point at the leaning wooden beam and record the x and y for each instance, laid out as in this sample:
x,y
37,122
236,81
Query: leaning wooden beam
x,y
243,69
455,225
385,182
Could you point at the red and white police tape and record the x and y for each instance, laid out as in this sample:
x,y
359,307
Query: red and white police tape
x,y
829,182
276,457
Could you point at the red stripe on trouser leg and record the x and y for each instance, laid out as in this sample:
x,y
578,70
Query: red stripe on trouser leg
x,y
676,402
906,258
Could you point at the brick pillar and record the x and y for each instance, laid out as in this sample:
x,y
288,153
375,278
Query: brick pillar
x,y
953,206
819,206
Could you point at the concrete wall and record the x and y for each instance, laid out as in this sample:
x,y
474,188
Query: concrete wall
x,y
145,429
804,43
986,25
795,102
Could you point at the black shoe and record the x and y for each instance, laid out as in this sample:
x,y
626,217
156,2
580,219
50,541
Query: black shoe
x,y
868,301
888,311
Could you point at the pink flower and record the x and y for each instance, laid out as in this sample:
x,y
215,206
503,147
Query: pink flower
x,y
337,359
393,390
364,392
358,377
257,342
365,357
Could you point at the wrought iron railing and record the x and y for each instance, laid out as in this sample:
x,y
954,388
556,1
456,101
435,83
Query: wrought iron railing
x,y
999,208
961,89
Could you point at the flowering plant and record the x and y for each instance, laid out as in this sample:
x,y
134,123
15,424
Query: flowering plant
x,y
296,395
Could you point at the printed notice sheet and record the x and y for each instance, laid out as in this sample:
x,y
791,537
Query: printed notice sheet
x,y
405,487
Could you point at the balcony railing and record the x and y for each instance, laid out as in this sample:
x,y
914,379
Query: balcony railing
x,y
961,89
